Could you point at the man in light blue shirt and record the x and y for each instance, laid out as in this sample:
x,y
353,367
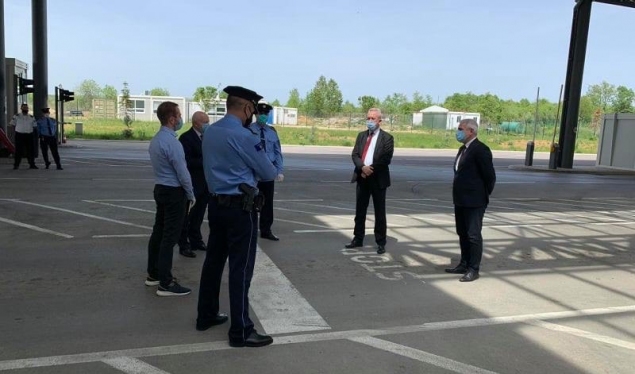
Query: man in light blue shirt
x,y
47,128
232,156
172,190
271,143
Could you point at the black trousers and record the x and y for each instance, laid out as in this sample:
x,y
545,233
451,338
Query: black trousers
x,y
47,142
233,234
168,222
23,143
366,190
191,232
266,213
469,223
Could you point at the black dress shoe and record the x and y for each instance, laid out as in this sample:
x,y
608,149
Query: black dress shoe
x,y
200,247
187,253
269,236
354,244
33,167
381,250
254,340
48,164
59,168
470,276
219,319
460,269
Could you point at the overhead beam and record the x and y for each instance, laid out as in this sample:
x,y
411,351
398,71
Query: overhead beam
x,y
626,3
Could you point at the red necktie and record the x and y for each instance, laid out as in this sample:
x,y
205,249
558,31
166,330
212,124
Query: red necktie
x,y
368,141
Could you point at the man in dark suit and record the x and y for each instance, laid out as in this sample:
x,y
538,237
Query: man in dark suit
x,y
371,155
191,238
474,179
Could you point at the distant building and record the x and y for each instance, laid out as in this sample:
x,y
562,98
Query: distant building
x,y
436,117
144,108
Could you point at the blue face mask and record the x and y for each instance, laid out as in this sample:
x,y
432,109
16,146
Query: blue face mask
x,y
178,125
204,127
371,125
460,136
262,119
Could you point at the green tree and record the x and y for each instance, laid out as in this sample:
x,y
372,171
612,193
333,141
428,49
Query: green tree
x,y
87,90
324,99
333,97
348,107
624,98
276,102
396,103
419,102
294,101
158,91
204,96
366,102
109,92
458,102
490,108
602,95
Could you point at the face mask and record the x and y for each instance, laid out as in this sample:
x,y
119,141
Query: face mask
x,y
204,127
262,119
460,136
25,111
248,119
371,125
178,125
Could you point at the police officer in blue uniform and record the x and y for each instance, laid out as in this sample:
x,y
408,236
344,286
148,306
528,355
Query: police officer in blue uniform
x,y
271,144
233,161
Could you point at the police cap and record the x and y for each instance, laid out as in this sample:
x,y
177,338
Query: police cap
x,y
263,107
243,93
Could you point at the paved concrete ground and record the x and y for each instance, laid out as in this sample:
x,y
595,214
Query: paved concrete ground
x,y
556,294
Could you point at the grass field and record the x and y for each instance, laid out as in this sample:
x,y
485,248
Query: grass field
x,y
587,142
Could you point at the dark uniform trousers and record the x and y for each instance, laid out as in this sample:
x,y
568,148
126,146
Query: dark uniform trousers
x,y
469,222
50,142
232,233
366,189
266,214
23,143
191,232
168,222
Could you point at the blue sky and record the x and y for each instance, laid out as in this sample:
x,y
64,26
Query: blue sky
x,y
371,47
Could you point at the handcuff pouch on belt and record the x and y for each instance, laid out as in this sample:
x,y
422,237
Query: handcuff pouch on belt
x,y
252,198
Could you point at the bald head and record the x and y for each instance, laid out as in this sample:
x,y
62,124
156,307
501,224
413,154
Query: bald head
x,y
198,119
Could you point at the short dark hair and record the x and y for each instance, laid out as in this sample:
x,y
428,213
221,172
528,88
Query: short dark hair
x,y
235,102
166,110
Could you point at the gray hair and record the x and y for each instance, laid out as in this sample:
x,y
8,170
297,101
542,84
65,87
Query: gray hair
x,y
376,110
470,123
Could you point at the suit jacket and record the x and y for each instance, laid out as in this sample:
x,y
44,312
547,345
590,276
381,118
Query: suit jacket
x,y
382,157
475,177
193,148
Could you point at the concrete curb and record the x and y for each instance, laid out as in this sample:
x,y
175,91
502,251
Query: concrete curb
x,y
576,170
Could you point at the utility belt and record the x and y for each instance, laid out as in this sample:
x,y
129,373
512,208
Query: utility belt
x,y
250,199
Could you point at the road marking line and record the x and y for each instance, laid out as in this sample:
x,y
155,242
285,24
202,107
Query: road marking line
x,y
583,334
82,214
304,338
121,236
301,223
122,200
120,206
35,228
313,213
415,354
131,365
297,200
280,307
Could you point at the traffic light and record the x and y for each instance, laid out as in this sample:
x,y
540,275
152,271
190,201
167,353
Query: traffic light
x,y
66,95
25,86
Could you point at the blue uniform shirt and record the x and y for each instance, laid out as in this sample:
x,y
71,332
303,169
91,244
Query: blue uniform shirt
x,y
46,126
272,144
168,161
232,154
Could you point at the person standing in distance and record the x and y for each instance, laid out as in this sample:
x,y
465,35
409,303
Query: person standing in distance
x,y
172,190
24,126
371,155
474,180
233,160
271,144
192,142
47,129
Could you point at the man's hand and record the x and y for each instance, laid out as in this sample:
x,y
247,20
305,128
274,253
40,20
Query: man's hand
x,y
191,203
367,171
280,178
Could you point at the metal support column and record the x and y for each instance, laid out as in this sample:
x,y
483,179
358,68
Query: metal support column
x,y
3,78
573,83
40,56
